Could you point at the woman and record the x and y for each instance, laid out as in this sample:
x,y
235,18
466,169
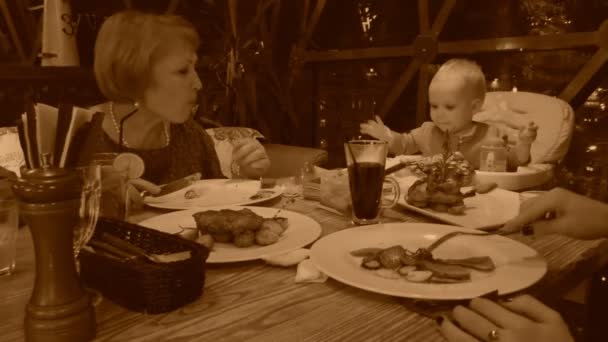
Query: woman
x,y
145,66
524,318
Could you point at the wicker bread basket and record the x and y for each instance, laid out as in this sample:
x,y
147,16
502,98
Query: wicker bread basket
x,y
139,284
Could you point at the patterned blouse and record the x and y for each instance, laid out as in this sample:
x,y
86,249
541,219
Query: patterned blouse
x,y
190,150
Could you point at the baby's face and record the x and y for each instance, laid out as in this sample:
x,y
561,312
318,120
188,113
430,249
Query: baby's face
x,y
452,105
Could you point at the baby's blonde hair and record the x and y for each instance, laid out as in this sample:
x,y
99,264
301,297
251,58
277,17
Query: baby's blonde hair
x,y
125,48
469,72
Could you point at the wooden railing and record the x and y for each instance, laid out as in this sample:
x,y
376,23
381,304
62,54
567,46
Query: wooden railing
x,y
51,85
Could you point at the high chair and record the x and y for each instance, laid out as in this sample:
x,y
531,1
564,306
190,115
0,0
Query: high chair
x,y
555,119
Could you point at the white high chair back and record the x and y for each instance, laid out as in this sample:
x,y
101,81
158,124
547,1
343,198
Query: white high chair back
x,y
554,117
555,120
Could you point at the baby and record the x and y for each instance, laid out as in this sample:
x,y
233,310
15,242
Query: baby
x,y
456,93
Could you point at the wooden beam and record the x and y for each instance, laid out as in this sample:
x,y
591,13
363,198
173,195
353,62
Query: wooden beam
x,y
423,16
233,16
311,23
350,54
14,72
422,96
442,16
531,43
12,30
584,75
304,18
398,88
172,6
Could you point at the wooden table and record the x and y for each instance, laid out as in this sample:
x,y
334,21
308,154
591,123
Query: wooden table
x,y
252,301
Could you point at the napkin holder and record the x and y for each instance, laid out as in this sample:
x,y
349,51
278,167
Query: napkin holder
x,y
140,284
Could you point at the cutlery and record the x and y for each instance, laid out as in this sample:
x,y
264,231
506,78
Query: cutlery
x,y
451,235
397,167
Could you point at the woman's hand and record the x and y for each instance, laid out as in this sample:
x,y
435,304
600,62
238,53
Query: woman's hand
x,y
575,215
250,157
135,187
376,129
524,318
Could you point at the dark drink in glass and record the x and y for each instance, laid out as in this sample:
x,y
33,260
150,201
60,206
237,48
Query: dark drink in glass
x,y
365,160
366,181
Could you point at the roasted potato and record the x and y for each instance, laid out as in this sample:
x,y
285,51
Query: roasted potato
x,y
245,239
273,225
266,237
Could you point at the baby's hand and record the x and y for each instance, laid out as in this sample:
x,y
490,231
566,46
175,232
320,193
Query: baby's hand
x,y
376,129
527,134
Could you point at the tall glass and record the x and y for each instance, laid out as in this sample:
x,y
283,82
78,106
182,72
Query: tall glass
x,y
9,217
114,190
88,213
90,198
366,161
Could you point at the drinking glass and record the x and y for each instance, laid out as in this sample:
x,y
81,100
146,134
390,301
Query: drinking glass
x,y
114,188
9,214
366,161
88,213
90,198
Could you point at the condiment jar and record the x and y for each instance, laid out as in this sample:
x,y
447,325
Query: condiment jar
x,y
493,156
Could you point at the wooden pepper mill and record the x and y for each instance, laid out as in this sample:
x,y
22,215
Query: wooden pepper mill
x,y
59,308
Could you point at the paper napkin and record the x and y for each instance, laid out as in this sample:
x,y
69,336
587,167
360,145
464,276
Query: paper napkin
x,y
306,272
288,259
49,130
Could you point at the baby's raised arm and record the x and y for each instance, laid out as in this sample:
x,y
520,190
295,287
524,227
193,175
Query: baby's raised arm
x,y
526,137
376,129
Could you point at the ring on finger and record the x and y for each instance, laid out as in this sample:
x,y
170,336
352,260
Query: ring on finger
x,y
493,335
527,230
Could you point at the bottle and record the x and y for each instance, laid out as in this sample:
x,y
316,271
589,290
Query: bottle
x,y
493,156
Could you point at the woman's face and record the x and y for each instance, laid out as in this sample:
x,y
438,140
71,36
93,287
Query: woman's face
x,y
174,84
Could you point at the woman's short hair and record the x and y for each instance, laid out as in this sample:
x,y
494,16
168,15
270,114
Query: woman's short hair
x,y
125,48
469,72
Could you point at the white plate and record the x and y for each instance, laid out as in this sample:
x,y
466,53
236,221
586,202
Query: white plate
x,y
302,230
215,192
517,265
482,210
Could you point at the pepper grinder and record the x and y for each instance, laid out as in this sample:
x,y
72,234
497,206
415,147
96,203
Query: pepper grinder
x,y
59,308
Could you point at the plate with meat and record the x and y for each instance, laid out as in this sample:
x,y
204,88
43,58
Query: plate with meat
x,y
214,192
240,233
388,259
444,187
479,211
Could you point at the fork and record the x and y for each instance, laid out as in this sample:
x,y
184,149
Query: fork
x,y
450,235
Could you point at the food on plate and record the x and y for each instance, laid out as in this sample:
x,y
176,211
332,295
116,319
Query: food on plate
x,y
262,194
439,188
130,163
178,184
206,240
188,233
243,228
482,188
420,266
